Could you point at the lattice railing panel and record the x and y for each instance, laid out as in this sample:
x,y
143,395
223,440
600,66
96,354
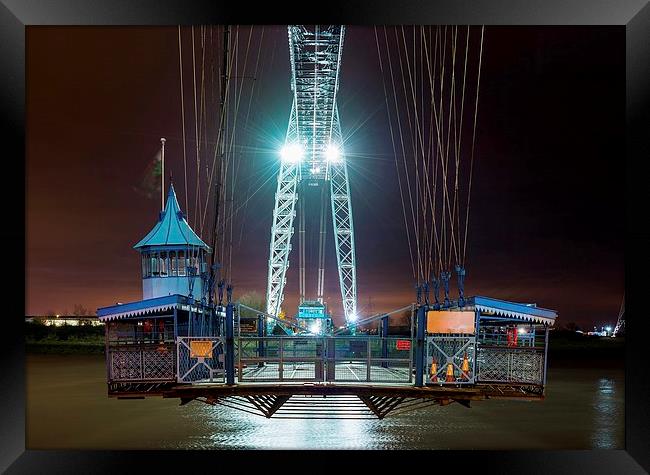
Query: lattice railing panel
x,y
512,365
126,365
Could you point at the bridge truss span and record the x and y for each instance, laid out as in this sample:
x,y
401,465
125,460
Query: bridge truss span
x,y
313,153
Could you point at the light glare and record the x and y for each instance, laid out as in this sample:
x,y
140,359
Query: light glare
x,y
332,154
291,153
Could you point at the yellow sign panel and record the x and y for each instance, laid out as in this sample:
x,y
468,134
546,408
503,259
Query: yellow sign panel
x,y
200,349
450,321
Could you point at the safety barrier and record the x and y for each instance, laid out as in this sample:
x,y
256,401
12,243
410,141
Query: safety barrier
x,y
141,363
511,365
200,359
341,359
451,359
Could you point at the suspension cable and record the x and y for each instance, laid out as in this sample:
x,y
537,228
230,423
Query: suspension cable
x,y
180,67
392,137
469,192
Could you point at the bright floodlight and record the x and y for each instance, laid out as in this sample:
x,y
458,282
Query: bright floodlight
x,y
333,153
608,329
521,330
291,153
353,317
314,328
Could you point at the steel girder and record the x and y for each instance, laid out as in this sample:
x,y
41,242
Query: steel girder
x,y
343,230
315,55
282,229
315,61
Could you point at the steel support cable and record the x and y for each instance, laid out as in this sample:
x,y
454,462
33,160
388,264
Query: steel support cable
x,y
223,162
203,133
415,215
458,147
418,140
227,159
231,159
408,184
434,178
196,133
426,200
226,156
425,203
180,68
250,100
392,138
440,124
456,158
222,117
471,168
438,113
458,134
457,137
452,107
235,169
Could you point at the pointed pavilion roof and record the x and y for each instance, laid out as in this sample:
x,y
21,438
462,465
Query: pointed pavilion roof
x,y
172,227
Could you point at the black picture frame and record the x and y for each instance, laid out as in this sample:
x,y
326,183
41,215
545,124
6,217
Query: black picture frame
x,y
633,15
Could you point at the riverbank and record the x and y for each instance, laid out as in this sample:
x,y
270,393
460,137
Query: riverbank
x,y
64,339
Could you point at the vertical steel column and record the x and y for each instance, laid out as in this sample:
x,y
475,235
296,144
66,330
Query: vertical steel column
x,y
384,342
419,348
230,346
260,335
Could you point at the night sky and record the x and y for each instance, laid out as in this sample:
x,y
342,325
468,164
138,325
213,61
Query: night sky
x,y
547,203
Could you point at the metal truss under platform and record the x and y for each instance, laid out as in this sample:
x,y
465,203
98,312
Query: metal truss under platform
x,y
335,401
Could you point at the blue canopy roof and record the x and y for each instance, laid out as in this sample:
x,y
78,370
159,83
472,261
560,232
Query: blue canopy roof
x,y
172,228
523,311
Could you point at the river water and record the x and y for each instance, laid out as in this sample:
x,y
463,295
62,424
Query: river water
x,y
67,408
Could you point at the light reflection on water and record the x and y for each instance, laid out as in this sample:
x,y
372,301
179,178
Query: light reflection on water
x,y
67,408
607,412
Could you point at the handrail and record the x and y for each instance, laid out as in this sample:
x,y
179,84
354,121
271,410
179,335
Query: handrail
x,y
371,319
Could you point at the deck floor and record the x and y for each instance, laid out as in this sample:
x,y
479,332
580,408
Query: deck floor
x,y
343,372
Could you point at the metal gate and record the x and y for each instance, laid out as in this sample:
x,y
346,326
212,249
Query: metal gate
x,y
280,358
451,359
200,359
340,359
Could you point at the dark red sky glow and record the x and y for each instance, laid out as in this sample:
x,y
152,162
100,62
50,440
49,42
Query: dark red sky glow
x,y
547,223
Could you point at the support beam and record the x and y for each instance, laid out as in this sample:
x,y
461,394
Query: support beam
x,y
421,317
229,357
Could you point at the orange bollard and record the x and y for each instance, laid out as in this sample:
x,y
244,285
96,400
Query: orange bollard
x,y
465,367
450,373
434,372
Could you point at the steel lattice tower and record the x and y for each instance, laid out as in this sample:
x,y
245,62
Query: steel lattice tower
x,y
313,151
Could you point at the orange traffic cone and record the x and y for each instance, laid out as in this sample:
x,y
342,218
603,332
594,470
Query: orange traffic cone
x,y
434,372
450,373
465,367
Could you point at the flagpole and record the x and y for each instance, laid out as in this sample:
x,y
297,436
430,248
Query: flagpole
x,y
162,174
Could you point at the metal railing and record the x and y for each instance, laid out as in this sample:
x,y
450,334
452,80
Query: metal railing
x,y
454,359
200,359
341,359
141,363
510,364
280,358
